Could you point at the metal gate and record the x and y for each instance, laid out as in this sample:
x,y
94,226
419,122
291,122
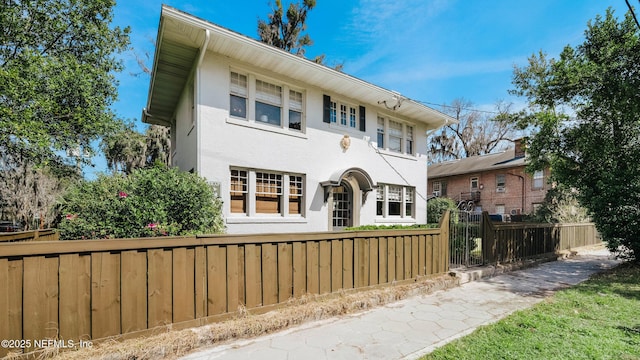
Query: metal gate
x,y
465,238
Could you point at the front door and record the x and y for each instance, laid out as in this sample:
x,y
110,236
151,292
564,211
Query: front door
x,y
342,206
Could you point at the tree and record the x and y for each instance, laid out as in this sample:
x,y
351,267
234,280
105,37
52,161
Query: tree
x,y
287,34
154,201
476,133
126,149
56,76
585,107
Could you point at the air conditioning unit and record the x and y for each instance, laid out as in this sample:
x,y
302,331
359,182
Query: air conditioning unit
x,y
500,189
436,193
516,211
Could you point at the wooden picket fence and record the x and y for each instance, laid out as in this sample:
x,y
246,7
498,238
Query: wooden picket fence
x,y
93,289
34,235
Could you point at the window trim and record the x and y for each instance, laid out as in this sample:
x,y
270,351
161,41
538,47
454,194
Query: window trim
x,y
383,190
406,137
535,178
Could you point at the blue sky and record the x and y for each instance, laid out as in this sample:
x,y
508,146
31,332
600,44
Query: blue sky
x,y
432,51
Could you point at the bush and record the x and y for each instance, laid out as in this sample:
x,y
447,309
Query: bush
x,y
154,201
436,207
392,227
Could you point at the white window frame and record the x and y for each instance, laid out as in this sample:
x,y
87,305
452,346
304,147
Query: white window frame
x,y
382,195
437,188
287,103
538,176
283,193
406,137
343,114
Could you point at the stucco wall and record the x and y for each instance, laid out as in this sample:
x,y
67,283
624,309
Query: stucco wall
x,y
230,142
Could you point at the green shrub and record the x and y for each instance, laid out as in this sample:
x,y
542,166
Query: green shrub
x,y
392,227
436,207
154,201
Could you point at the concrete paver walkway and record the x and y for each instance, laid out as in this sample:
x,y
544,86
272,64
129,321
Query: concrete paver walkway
x,y
415,326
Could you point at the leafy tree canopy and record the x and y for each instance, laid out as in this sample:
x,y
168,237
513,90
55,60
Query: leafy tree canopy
x,y
585,107
56,76
154,201
286,33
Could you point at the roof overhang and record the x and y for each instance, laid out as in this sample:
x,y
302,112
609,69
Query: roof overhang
x,y
181,37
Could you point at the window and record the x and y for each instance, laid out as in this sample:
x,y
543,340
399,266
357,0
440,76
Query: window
x,y
395,201
437,188
474,184
381,133
395,136
238,191
334,112
399,136
295,194
268,193
258,192
408,201
409,140
501,182
238,106
538,179
500,209
352,117
268,103
295,110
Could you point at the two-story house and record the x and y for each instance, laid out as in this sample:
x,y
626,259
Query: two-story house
x,y
290,145
496,183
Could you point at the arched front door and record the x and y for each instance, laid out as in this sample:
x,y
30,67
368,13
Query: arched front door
x,y
342,206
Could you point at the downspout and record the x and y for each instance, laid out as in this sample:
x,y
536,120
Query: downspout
x,y
197,92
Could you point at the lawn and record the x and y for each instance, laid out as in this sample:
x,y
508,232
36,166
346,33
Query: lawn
x,y
598,319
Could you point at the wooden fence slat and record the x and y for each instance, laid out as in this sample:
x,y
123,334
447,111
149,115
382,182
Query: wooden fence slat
x,y
399,258
391,259
105,295
373,261
242,278
422,255
429,250
414,256
183,284
40,298
347,263
217,276
407,257
134,291
285,272
160,291
4,303
269,274
299,269
336,265
324,263
75,297
253,267
233,278
382,261
313,276
200,282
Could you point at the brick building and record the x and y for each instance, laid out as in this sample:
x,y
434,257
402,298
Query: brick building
x,y
496,183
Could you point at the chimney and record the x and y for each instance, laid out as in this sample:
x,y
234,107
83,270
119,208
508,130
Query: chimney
x,y
520,147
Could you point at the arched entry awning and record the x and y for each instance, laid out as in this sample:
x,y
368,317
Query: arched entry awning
x,y
363,179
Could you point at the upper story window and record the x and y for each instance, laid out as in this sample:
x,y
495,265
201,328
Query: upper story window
x,y
501,182
266,102
474,184
395,136
239,94
538,179
437,188
342,113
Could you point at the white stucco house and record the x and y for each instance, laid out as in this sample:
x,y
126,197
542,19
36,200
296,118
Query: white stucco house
x,y
291,145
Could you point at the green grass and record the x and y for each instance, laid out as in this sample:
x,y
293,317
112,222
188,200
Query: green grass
x,y
598,319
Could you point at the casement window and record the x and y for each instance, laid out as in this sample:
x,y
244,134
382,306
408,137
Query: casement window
x,y
395,136
342,113
538,179
239,187
501,182
266,102
395,201
260,193
239,94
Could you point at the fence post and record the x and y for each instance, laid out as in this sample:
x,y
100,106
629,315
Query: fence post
x,y
444,237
